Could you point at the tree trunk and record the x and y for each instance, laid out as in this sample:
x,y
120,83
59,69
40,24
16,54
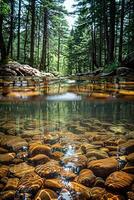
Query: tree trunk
x,y
121,31
112,31
106,30
10,41
32,32
18,34
2,43
43,63
26,35
59,42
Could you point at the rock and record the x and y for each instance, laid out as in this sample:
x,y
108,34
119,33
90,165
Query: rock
x,y
30,182
2,150
36,148
99,154
119,180
54,183
7,157
79,189
4,171
97,193
103,167
113,196
130,158
7,195
128,169
51,138
1,186
21,169
127,148
117,129
57,155
14,142
39,159
130,195
76,163
49,170
46,194
86,177
99,182
66,174
12,184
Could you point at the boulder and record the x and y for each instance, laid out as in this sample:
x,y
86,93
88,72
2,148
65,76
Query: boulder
x,y
103,167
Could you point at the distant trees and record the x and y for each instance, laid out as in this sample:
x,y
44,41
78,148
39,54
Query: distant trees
x,y
103,30
30,30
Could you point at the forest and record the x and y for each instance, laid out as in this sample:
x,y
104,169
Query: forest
x,y
36,32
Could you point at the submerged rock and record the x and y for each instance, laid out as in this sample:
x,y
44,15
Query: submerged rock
x,y
55,183
49,170
39,159
36,148
7,157
86,177
127,148
30,182
7,195
46,194
103,167
80,190
4,171
119,180
12,184
21,169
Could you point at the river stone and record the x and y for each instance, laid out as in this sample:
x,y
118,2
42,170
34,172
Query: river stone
x,y
49,170
97,193
67,174
80,189
75,163
86,177
127,148
12,184
130,195
51,138
57,155
39,159
7,157
128,169
14,142
99,154
7,195
30,182
36,148
99,182
54,183
1,186
21,169
46,194
4,171
2,150
130,158
119,180
117,129
103,167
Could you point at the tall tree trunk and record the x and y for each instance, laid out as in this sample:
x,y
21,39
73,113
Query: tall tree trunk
x,y
112,31
105,16
18,31
32,33
26,35
43,63
10,41
2,43
58,53
121,31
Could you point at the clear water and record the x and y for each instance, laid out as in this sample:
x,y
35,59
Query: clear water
x,y
72,119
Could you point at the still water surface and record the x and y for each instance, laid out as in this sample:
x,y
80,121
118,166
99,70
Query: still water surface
x,y
62,144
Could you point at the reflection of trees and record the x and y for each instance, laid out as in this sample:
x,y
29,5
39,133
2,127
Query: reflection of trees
x,y
67,110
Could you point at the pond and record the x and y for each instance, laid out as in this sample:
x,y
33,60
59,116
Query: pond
x,y
66,140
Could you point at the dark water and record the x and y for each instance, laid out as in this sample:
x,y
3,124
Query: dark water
x,y
68,117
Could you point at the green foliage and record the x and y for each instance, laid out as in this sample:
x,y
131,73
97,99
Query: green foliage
x,y
4,7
